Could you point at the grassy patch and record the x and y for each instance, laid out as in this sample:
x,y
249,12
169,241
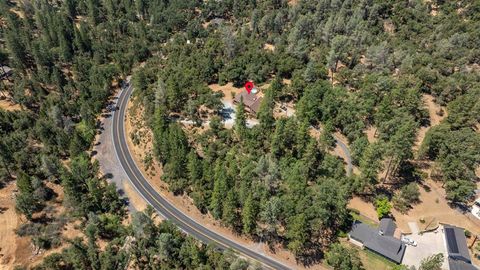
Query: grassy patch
x,y
363,219
372,260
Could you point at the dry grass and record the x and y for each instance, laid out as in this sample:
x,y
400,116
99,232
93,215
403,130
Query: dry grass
x,y
8,223
388,27
292,2
433,205
133,197
229,91
8,105
269,47
371,134
365,208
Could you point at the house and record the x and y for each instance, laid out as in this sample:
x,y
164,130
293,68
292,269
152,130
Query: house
x,y
380,240
251,101
456,242
5,72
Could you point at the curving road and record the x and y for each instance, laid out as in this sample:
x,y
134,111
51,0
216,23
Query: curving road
x,y
348,157
160,204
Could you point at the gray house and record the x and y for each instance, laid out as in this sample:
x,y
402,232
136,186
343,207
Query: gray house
x,y
458,256
380,240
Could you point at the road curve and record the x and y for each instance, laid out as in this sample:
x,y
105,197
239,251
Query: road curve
x,y
165,208
348,157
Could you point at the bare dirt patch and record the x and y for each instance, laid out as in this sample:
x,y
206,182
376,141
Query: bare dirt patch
x,y
8,105
229,91
269,47
8,223
185,203
365,208
133,197
371,133
388,27
292,2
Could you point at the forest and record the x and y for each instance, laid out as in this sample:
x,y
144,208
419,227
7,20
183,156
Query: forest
x,y
346,65
67,58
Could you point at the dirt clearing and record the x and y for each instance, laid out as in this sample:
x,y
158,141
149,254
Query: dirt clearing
x,y
9,105
8,223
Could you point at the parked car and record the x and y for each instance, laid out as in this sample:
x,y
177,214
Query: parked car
x,y
476,208
409,241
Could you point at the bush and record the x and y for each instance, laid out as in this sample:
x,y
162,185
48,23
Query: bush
x,y
382,206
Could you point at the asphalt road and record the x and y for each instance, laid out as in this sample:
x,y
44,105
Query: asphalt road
x,y
348,157
165,208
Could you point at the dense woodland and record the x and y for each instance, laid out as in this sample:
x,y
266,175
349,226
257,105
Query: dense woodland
x,y
67,57
352,65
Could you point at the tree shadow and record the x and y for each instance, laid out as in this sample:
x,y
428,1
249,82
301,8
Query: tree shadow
x,y
43,219
313,255
107,176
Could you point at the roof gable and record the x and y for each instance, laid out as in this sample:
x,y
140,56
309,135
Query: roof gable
x,y
387,226
252,101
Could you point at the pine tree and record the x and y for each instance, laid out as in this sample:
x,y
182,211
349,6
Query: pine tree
x,y
249,215
297,233
230,216
194,167
240,120
265,113
23,183
219,190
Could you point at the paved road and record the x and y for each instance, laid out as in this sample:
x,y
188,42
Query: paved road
x,y
348,157
163,206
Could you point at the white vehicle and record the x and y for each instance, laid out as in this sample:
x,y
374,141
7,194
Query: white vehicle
x,y
476,208
409,241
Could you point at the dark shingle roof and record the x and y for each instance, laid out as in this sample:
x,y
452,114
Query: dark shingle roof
x,y
387,226
385,245
456,243
460,265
